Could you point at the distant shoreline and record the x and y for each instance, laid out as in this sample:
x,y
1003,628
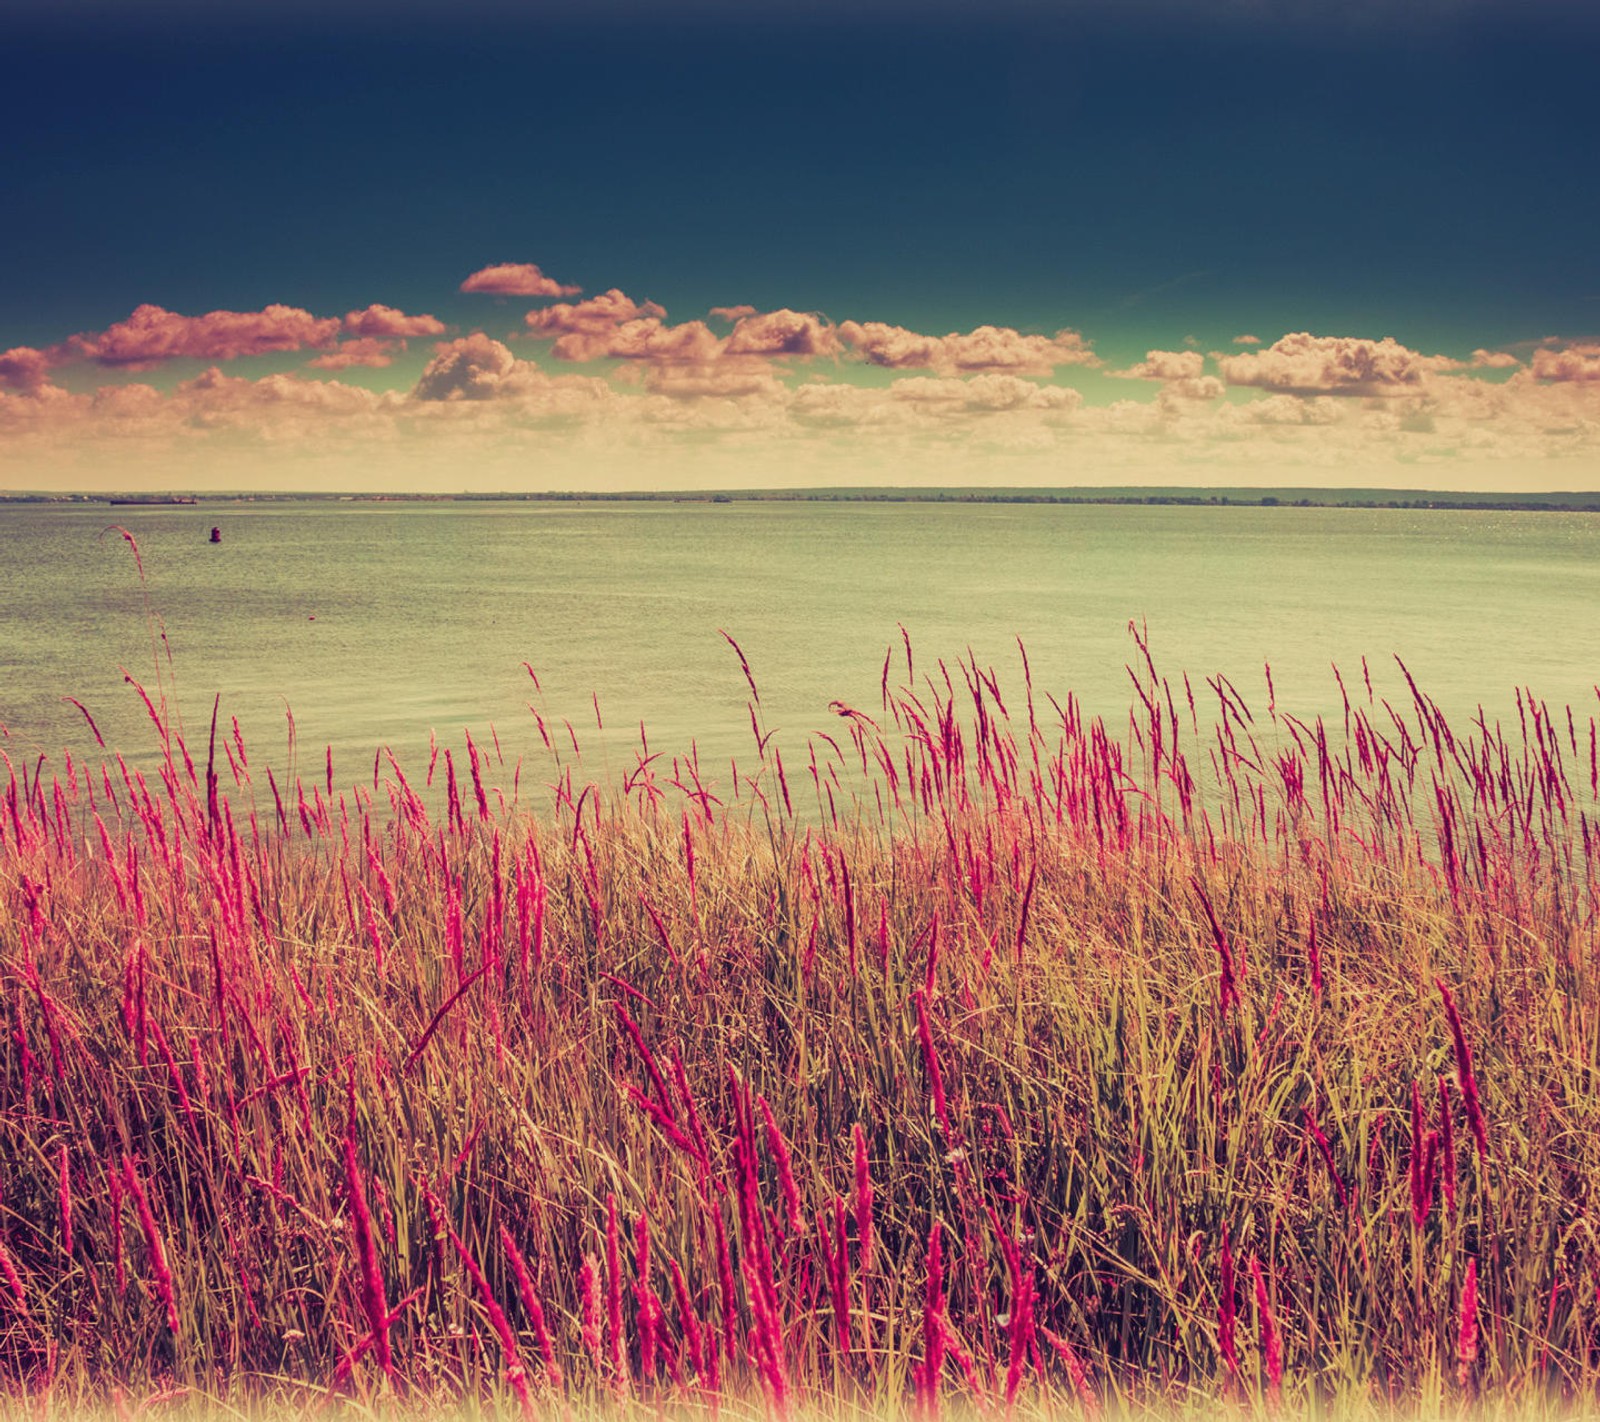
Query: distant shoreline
x,y
1218,497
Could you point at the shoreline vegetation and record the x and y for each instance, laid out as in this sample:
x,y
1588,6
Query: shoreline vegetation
x,y
979,1057
1230,496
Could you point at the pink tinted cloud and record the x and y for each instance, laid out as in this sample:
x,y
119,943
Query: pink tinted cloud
x,y
24,368
612,326
153,334
983,394
1192,387
723,379
215,391
591,317
385,323
1494,360
1166,365
1247,340
516,279
364,350
1575,362
475,367
45,409
648,340
995,349
948,404
782,333
1333,365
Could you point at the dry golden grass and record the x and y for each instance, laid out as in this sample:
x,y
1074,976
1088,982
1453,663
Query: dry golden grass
x,y
1109,1029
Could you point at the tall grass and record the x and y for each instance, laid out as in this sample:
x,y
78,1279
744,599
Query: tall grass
x,y
992,1057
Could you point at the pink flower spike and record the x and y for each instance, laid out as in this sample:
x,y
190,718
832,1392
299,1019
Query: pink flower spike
x,y
373,1300
1447,1147
930,1058
64,1202
1081,1384
1271,1342
1228,987
863,1199
1467,1327
534,1309
618,1355
796,1220
153,1243
589,1291
1465,1080
933,1327
1227,1310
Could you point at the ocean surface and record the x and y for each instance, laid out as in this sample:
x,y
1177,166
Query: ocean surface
x,y
377,624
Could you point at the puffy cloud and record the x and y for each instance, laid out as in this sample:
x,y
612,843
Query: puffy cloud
x,y
23,368
781,333
379,331
1166,365
1193,387
364,350
1574,362
385,323
1334,365
1247,340
994,407
835,405
153,334
1182,376
282,411
593,315
516,279
998,349
984,394
723,378
42,409
1289,410
476,382
648,340
614,326
474,367
214,391
478,403
681,391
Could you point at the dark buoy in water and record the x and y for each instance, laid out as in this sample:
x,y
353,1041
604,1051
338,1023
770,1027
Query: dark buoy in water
x,y
216,535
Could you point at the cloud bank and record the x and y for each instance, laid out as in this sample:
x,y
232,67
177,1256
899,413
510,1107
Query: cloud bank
x,y
744,395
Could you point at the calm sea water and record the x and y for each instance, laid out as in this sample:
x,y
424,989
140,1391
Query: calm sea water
x,y
377,623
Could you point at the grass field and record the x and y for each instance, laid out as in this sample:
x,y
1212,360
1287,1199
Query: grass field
x,y
981,1058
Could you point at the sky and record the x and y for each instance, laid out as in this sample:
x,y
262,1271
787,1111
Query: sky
x,y
346,245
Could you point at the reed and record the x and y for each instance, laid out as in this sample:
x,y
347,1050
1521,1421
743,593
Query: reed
x,y
971,1067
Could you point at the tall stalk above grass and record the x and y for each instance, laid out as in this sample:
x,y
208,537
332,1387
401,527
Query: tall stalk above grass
x,y
986,1058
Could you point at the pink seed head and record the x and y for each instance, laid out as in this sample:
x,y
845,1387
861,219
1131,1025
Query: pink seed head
x,y
1271,1342
1467,1326
863,1199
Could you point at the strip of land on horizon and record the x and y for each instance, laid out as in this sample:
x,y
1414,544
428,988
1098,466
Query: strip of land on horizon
x,y
1281,497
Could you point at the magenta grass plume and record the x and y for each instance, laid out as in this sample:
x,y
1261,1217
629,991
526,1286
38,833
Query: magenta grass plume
x,y
931,1076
